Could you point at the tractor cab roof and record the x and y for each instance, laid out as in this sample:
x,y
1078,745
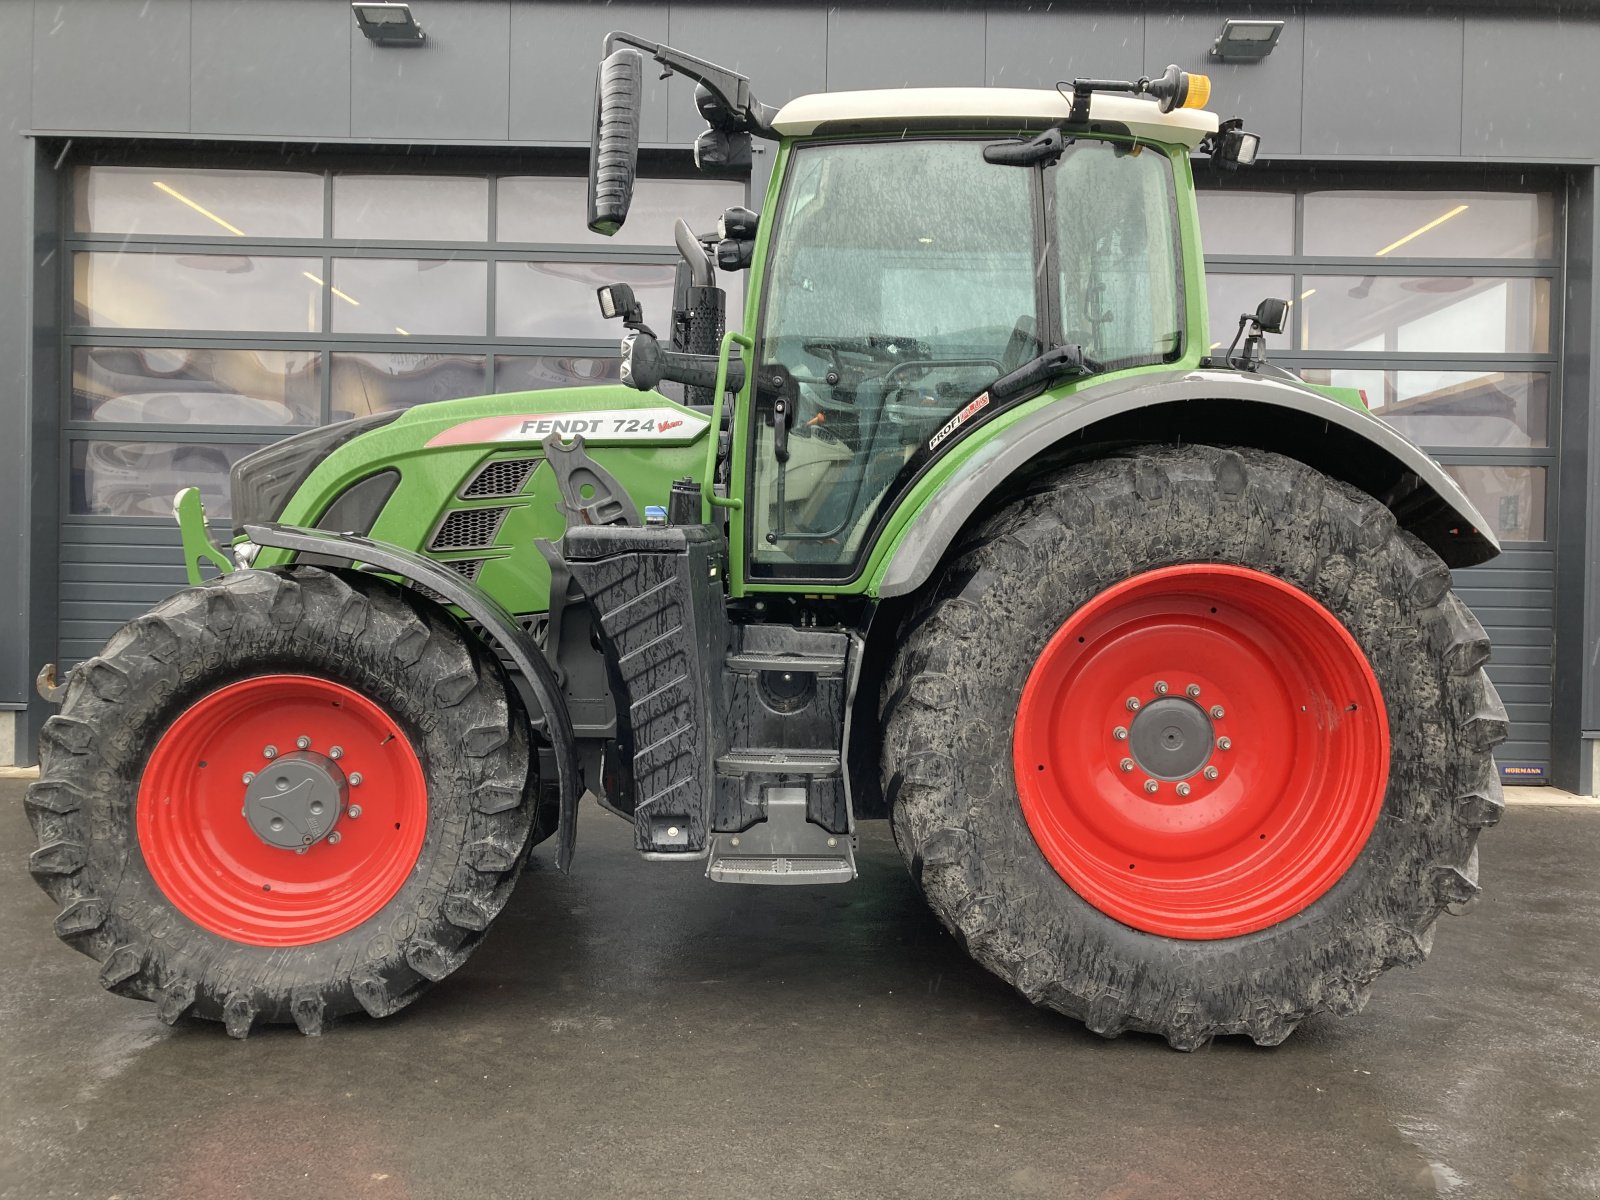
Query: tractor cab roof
x,y
984,108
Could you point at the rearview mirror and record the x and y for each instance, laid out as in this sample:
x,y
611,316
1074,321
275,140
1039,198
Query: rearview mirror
x,y
614,147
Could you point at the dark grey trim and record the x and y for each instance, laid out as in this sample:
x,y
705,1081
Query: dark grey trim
x,y
1014,448
481,607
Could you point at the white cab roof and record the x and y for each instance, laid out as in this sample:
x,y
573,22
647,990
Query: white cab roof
x,y
901,108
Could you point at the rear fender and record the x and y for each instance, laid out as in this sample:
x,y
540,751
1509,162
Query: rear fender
x,y
481,607
1212,407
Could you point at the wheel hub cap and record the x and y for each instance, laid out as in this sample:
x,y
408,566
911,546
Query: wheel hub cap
x,y
1170,739
295,802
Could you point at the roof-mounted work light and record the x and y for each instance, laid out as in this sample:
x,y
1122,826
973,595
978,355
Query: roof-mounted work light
x,y
388,24
1246,41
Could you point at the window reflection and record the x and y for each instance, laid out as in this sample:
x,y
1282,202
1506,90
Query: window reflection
x,y
197,202
139,479
1253,223
554,209
1511,499
1228,296
368,383
1394,224
234,292
1425,314
423,208
531,373
410,296
1453,408
556,299
162,386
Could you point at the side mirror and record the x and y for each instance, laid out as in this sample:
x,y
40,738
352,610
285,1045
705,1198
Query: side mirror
x,y
614,147
1271,314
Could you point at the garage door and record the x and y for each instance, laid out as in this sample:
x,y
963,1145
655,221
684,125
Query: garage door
x,y
219,306
1441,305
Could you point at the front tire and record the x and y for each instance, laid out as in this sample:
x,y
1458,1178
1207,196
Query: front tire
x,y
283,797
1305,801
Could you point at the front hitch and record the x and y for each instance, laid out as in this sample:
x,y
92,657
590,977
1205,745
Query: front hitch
x,y
190,514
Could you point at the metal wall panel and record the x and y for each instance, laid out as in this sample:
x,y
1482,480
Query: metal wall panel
x,y
110,573
887,46
1265,94
1039,45
1394,93
1514,597
1530,87
16,23
729,34
278,69
112,65
554,49
454,88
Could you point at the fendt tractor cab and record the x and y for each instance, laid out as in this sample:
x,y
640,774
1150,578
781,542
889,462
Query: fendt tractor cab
x,y
1150,657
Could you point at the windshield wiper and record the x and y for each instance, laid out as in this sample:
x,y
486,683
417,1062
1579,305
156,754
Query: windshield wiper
x,y
1038,373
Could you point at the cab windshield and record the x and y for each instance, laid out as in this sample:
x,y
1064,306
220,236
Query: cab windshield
x,y
904,277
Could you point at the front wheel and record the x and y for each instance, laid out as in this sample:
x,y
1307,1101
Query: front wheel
x,y
285,796
1193,741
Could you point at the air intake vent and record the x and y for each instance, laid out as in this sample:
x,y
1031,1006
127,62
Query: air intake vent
x,y
504,478
469,529
467,568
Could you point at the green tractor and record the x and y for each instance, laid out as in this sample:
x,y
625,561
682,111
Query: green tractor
x,y
1148,655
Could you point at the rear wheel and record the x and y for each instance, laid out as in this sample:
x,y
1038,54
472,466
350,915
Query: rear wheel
x,y
1221,756
286,796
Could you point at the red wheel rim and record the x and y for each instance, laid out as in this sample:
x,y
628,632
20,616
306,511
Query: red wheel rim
x,y
204,854
1223,824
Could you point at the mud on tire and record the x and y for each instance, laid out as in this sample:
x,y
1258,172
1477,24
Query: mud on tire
x,y
442,687
951,698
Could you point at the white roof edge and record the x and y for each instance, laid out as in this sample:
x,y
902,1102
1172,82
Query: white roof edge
x,y
891,107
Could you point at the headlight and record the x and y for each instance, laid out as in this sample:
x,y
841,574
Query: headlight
x,y
262,482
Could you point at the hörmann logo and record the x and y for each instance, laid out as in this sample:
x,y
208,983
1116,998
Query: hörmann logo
x,y
957,421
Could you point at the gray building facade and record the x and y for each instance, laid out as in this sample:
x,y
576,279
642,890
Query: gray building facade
x,y
200,201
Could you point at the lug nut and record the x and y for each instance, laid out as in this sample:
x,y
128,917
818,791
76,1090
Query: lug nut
x,y
1212,773
335,838
1161,687
1183,789
1127,765
1192,690
1224,743
1120,734
1133,704
269,752
1216,712
353,811
672,831
249,776
355,778
336,752
1151,786
302,742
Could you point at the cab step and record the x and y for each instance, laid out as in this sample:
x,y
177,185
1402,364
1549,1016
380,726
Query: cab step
x,y
784,849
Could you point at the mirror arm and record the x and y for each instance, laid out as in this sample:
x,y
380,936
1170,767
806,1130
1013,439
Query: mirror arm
x,y
729,87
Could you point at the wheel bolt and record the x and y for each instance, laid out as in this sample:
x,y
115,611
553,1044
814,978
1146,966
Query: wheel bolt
x,y
1120,734
1212,773
1224,743
1183,789
1161,687
1216,712
269,752
336,752
249,776
1151,786
355,779
1127,765
302,742
335,838
353,811
1133,704
1192,690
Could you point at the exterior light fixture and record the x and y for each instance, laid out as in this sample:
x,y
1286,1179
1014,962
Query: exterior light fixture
x,y
388,24
1246,41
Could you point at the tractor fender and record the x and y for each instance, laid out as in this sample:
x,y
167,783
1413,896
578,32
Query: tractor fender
x,y
1213,407
496,622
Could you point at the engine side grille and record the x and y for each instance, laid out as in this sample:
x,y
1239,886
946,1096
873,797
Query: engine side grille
x,y
469,529
467,568
507,477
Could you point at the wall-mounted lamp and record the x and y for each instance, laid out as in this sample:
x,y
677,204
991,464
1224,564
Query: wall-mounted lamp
x,y
388,24
1246,41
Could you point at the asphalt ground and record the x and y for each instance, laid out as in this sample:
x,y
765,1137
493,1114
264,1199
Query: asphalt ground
x,y
635,1031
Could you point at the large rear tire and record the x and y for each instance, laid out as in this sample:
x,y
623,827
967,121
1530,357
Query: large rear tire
x,y
1192,741
286,796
